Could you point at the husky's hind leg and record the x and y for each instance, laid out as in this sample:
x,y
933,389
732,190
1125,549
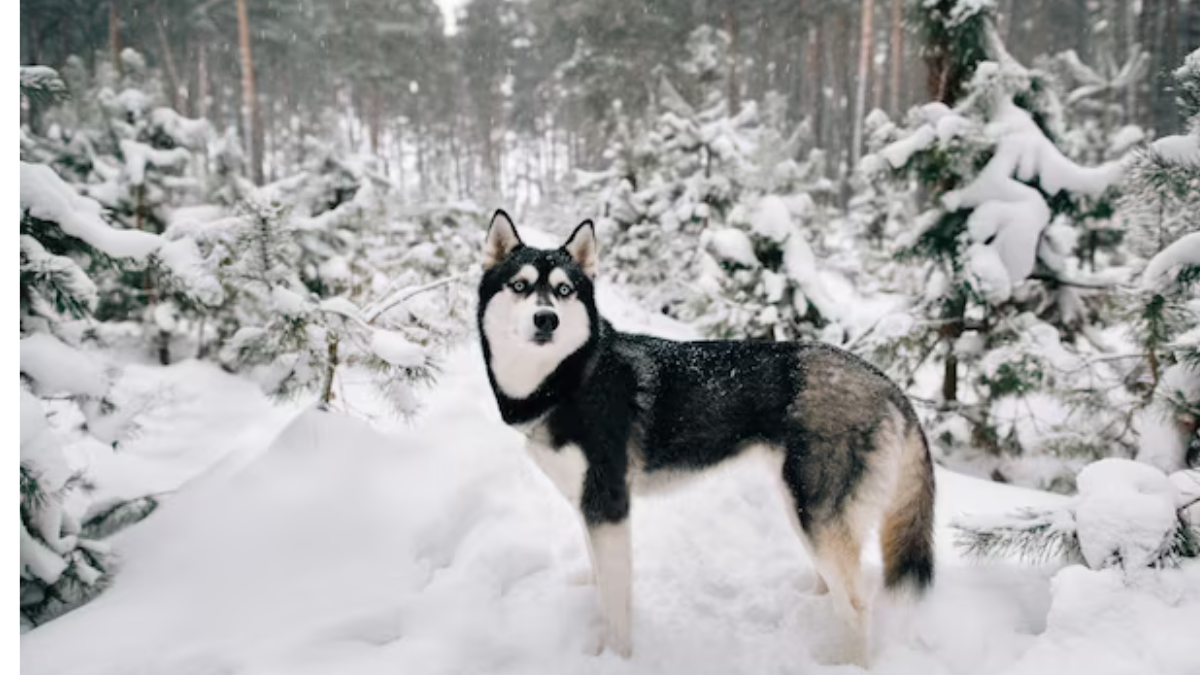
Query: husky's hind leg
x,y
819,587
838,546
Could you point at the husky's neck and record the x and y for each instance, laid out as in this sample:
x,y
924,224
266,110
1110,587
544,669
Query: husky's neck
x,y
568,378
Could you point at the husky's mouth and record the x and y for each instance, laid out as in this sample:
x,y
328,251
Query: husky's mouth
x,y
543,338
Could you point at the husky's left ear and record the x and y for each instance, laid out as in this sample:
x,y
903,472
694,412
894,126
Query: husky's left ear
x,y
502,238
582,247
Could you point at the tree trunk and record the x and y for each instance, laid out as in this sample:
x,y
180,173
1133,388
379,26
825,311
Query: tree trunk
x,y
249,96
202,79
1149,39
373,114
731,27
816,64
896,60
865,40
114,32
168,57
1167,114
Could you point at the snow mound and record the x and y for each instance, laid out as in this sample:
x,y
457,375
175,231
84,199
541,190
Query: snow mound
x,y
1125,513
1099,625
57,368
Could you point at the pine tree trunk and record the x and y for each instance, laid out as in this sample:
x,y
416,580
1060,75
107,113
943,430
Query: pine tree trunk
x,y
896,60
114,32
327,393
731,27
1149,39
249,95
168,57
817,75
865,40
1166,114
373,114
877,68
202,78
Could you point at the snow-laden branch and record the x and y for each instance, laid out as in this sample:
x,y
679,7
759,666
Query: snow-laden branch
x,y
377,309
46,196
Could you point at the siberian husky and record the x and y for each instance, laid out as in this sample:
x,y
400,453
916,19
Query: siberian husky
x,y
610,414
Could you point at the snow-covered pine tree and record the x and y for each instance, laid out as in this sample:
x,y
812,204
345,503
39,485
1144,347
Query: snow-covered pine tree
x,y
116,143
290,339
713,200
1159,207
1008,310
61,231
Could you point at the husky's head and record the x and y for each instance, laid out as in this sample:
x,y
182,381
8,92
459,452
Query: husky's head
x,y
536,306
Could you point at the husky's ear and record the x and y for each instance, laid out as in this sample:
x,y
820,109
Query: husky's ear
x,y
502,238
582,247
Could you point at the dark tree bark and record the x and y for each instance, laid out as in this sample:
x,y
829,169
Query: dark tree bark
x,y
114,32
254,133
896,59
168,57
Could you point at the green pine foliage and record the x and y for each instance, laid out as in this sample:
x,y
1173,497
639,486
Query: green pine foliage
x,y
1019,253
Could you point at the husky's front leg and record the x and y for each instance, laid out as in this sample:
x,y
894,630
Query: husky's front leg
x,y
612,564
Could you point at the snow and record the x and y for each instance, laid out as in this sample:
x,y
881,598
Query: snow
x,y
897,154
1162,435
316,543
42,78
57,368
397,349
1125,138
1124,512
138,156
1178,149
1100,625
189,133
771,219
1008,215
33,419
45,196
730,244
801,267
1184,251
288,302
182,257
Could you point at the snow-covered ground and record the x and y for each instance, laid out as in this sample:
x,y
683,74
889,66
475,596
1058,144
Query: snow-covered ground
x,y
436,547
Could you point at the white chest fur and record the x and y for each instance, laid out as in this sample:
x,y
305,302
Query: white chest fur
x,y
564,466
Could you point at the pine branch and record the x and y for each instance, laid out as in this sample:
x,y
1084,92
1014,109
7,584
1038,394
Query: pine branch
x,y
1033,536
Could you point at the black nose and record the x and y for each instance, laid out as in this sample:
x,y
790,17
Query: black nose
x,y
545,320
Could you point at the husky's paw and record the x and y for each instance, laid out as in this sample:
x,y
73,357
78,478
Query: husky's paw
x,y
622,646
602,640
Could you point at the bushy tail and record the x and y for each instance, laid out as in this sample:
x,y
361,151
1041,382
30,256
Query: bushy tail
x,y
907,533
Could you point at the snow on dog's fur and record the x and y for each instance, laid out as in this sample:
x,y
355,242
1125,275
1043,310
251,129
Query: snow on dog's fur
x,y
609,414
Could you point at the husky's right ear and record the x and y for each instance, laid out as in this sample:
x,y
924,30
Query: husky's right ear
x,y
502,238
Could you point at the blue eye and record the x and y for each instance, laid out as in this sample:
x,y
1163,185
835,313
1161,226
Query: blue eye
x,y
563,290
519,286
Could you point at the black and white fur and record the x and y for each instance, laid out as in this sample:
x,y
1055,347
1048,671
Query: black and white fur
x,y
610,414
